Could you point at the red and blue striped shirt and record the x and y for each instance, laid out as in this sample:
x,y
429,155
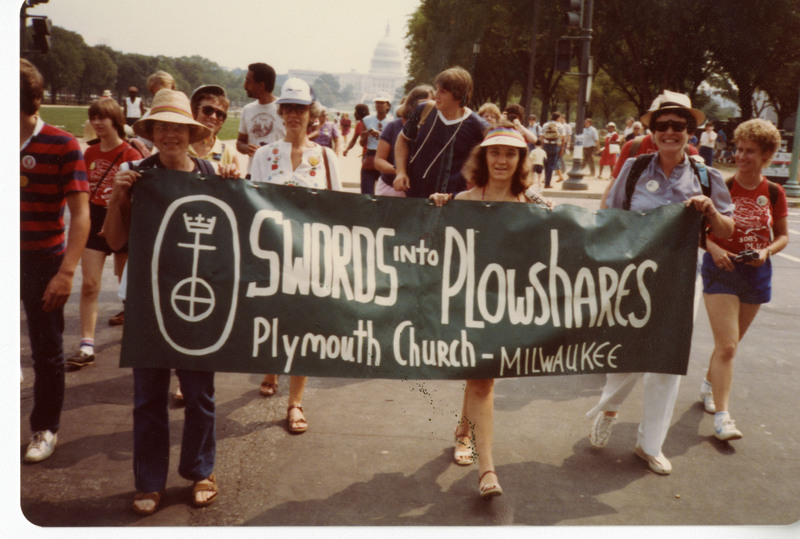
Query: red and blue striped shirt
x,y
51,167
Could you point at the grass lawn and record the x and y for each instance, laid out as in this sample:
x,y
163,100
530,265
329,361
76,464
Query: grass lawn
x,y
72,119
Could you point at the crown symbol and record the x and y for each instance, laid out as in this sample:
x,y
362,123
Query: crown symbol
x,y
199,224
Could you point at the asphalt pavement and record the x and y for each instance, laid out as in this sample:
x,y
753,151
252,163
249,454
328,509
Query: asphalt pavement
x,y
379,452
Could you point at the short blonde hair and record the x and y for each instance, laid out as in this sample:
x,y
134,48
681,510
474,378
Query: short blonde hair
x,y
489,108
761,132
159,80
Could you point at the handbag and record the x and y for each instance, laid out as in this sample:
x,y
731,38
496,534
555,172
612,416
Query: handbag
x,y
613,148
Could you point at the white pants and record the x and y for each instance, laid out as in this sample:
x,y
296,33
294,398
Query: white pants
x,y
660,394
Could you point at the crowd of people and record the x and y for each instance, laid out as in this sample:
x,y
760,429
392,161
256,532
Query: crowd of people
x,y
434,147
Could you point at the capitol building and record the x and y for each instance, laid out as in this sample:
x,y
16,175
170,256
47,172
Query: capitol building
x,y
386,73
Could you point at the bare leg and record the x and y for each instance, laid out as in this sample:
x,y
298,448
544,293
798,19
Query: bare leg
x,y
479,400
729,320
92,270
295,416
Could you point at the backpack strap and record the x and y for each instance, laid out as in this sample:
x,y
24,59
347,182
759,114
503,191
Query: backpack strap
x,y
633,177
774,192
635,145
206,168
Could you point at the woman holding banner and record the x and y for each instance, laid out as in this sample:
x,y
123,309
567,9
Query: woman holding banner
x,y
499,170
737,272
171,128
669,176
296,161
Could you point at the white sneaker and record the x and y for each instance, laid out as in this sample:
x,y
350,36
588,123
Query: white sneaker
x,y
659,464
42,445
727,431
601,429
708,402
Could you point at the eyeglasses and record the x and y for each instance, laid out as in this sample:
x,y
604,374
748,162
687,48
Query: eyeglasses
x,y
677,126
208,110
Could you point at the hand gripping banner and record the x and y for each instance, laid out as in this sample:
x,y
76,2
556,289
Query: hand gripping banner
x,y
242,277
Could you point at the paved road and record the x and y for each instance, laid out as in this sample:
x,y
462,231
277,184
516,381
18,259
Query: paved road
x,y
379,452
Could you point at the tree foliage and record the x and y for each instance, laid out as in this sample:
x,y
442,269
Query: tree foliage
x,y
639,49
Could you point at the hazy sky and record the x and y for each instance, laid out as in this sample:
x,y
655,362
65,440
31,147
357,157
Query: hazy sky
x,y
329,35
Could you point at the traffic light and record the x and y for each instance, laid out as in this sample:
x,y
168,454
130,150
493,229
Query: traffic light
x,y
42,34
563,55
573,13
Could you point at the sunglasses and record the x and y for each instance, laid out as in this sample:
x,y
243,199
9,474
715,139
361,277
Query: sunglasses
x,y
208,110
676,126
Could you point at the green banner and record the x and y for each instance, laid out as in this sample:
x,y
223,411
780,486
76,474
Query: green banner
x,y
242,277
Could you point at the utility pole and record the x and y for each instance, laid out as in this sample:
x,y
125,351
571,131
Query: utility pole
x,y
792,186
575,176
532,62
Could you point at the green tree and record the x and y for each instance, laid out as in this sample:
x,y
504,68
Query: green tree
x,y
63,66
326,88
99,72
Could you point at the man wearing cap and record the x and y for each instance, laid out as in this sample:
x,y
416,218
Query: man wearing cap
x,y
210,107
260,123
52,176
134,106
373,125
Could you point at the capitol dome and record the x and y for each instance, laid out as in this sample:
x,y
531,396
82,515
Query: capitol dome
x,y
388,60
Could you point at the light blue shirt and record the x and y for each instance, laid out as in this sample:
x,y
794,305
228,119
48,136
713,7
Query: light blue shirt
x,y
590,136
372,122
654,189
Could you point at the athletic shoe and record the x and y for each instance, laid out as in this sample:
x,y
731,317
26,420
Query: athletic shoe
x,y
79,360
42,445
601,429
708,402
727,431
659,464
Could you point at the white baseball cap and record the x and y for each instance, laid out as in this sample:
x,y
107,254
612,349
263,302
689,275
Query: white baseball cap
x,y
296,91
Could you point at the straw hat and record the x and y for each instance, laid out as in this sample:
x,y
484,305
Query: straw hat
x,y
672,100
173,107
504,136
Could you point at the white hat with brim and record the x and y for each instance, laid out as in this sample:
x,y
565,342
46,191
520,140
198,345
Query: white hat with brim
x,y
382,97
672,101
504,136
295,92
172,107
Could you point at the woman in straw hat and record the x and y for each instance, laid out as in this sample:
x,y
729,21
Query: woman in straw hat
x,y
498,168
669,177
171,128
299,162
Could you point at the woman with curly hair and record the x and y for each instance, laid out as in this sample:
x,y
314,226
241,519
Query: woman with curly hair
x,y
737,272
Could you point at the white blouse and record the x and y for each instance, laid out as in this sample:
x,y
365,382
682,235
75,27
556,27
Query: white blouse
x,y
273,164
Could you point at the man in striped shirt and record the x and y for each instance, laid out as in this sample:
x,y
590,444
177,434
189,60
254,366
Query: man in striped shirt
x,y
52,176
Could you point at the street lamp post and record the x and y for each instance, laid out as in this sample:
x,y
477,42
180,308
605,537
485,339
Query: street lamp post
x,y
792,187
575,181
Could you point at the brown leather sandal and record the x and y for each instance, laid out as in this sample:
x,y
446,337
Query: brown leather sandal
x,y
268,389
208,484
298,426
154,497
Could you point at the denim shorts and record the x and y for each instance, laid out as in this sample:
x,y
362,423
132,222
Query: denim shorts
x,y
752,285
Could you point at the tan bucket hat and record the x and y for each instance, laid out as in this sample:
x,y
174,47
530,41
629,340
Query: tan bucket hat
x,y
672,100
173,107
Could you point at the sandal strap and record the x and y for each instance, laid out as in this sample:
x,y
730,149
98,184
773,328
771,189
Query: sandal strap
x,y
208,484
293,406
487,472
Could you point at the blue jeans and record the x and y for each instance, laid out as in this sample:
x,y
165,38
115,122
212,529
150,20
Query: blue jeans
x,y
552,161
368,179
44,332
151,427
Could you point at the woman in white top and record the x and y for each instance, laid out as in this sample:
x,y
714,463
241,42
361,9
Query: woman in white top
x,y
297,161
